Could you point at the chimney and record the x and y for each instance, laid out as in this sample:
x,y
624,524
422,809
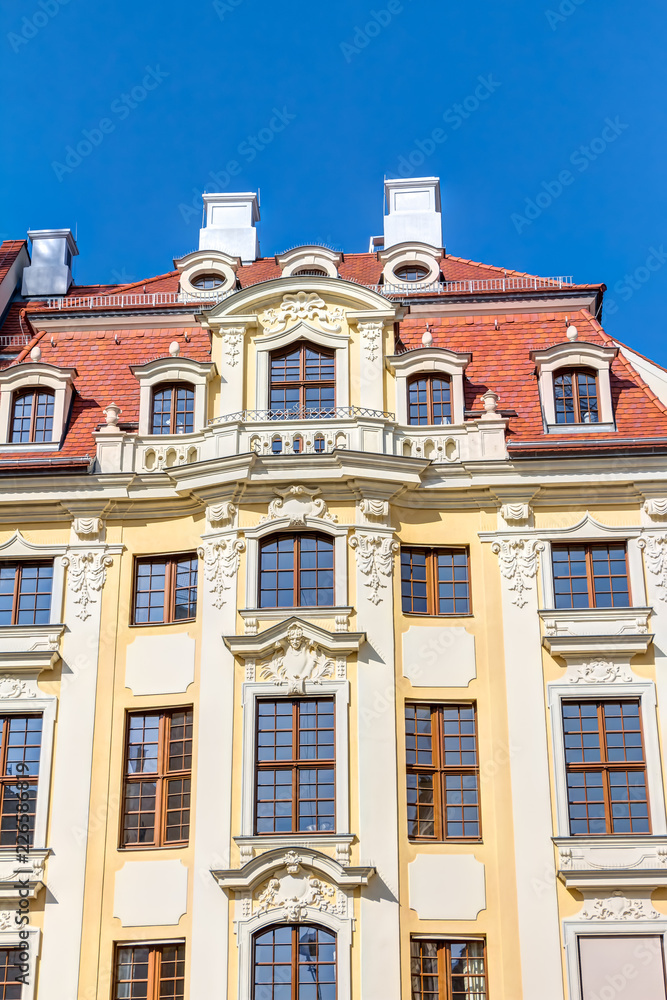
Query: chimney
x,y
230,225
50,271
413,206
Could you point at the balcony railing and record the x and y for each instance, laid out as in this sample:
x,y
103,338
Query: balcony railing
x,y
302,413
467,287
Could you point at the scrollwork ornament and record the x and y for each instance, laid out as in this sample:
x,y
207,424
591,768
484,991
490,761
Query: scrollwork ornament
x,y
619,907
221,562
303,306
371,334
518,564
655,555
375,559
600,671
14,687
295,661
87,574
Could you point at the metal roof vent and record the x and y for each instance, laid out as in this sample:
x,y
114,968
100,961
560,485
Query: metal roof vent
x,y
50,271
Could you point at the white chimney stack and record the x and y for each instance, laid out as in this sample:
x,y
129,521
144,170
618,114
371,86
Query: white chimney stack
x,y
414,215
230,225
50,271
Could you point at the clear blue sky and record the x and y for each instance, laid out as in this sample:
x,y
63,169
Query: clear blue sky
x,y
558,71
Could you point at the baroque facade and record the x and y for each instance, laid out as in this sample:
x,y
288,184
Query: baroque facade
x,y
333,596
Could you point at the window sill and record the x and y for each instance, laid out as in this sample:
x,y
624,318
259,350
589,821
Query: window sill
x,y
598,428
29,446
272,614
600,630
443,843
249,845
150,847
612,861
456,614
181,621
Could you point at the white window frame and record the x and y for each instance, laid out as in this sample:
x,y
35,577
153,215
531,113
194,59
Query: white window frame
x,y
46,706
575,354
19,549
36,375
310,256
197,373
207,262
427,361
11,939
265,344
411,253
252,691
574,929
637,689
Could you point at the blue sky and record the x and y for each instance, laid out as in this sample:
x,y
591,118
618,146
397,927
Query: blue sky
x,y
184,88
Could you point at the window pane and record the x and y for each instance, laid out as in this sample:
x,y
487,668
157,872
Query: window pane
x,y
21,746
276,573
316,576
452,582
610,578
414,587
149,599
570,577
34,597
564,399
10,970
418,402
185,596
7,582
161,416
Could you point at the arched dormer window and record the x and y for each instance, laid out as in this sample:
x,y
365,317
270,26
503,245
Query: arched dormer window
x,y
32,416
173,408
429,399
576,396
302,381
294,962
296,571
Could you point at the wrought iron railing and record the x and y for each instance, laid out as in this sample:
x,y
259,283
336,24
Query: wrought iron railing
x,y
303,413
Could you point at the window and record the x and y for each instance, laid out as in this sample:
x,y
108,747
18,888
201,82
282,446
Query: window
x,y
442,772
165,589
296,571
173,409
412,272
10,970
294,963
429,400
206,281
20,745
303,381
150,972
158,760
313,272
32,416
576,396
606,768
590,576
25,593
435,581
602,959
448,970
295,770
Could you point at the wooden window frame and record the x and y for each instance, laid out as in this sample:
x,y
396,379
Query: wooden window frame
x,y
430,378
432,596
439,771
295,928
19,567
163,387
590,577
169,606
302,412
23,842
295,764
444,951
297,538
34,391
6,952
411,267
155,953
161,776
574,371
606,766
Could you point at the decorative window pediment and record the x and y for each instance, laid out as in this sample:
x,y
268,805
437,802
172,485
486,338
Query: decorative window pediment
x,y
412,264
294,651
280,863
17,381
572,357
207,274
168,371
430,361
310,261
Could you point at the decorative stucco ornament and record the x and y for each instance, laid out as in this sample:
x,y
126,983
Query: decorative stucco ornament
x,y
221,513
294,895
303,306
655,555
518,564
656,507
515,513
221,563
87,574
600,672
296,660
233,344
297,503
13,687
371,335
375,559
619,907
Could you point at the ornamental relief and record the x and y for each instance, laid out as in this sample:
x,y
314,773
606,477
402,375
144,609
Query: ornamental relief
x,y
14,687
619,907
375,560
655,556
599,671
518,564
297,503
294,892
221,562
86,576
296,660
299,307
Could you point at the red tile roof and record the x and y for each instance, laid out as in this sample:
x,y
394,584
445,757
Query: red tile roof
x,y
9,251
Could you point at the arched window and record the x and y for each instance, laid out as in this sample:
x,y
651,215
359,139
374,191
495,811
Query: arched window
x,y
294,963
412,272
32,416
576,396
296,571
208,281
173,409
311,272
303,381
429,400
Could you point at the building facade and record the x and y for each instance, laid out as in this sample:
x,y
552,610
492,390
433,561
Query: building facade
x,y
333,599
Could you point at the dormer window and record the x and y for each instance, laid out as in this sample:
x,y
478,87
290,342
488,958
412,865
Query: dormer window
x,y
412,272
303,381
429,400
32,416
173,409
309,262
576,396
206,281
310,272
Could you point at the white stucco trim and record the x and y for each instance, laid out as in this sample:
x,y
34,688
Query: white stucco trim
x,y
46,706
265,343
427,360
627,536
197,373
60,381
309,256
635,689
575,355
207,262
251,691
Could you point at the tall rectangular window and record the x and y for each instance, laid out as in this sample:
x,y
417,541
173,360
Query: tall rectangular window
x,y
150,972
158,762
20,746
296,571
25,593
448,970
295,766
435,581
606,767
590,576
10,970
442,772
605,960
165,589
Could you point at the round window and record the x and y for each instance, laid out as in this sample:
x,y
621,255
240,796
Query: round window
x,y
412,272
206,281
